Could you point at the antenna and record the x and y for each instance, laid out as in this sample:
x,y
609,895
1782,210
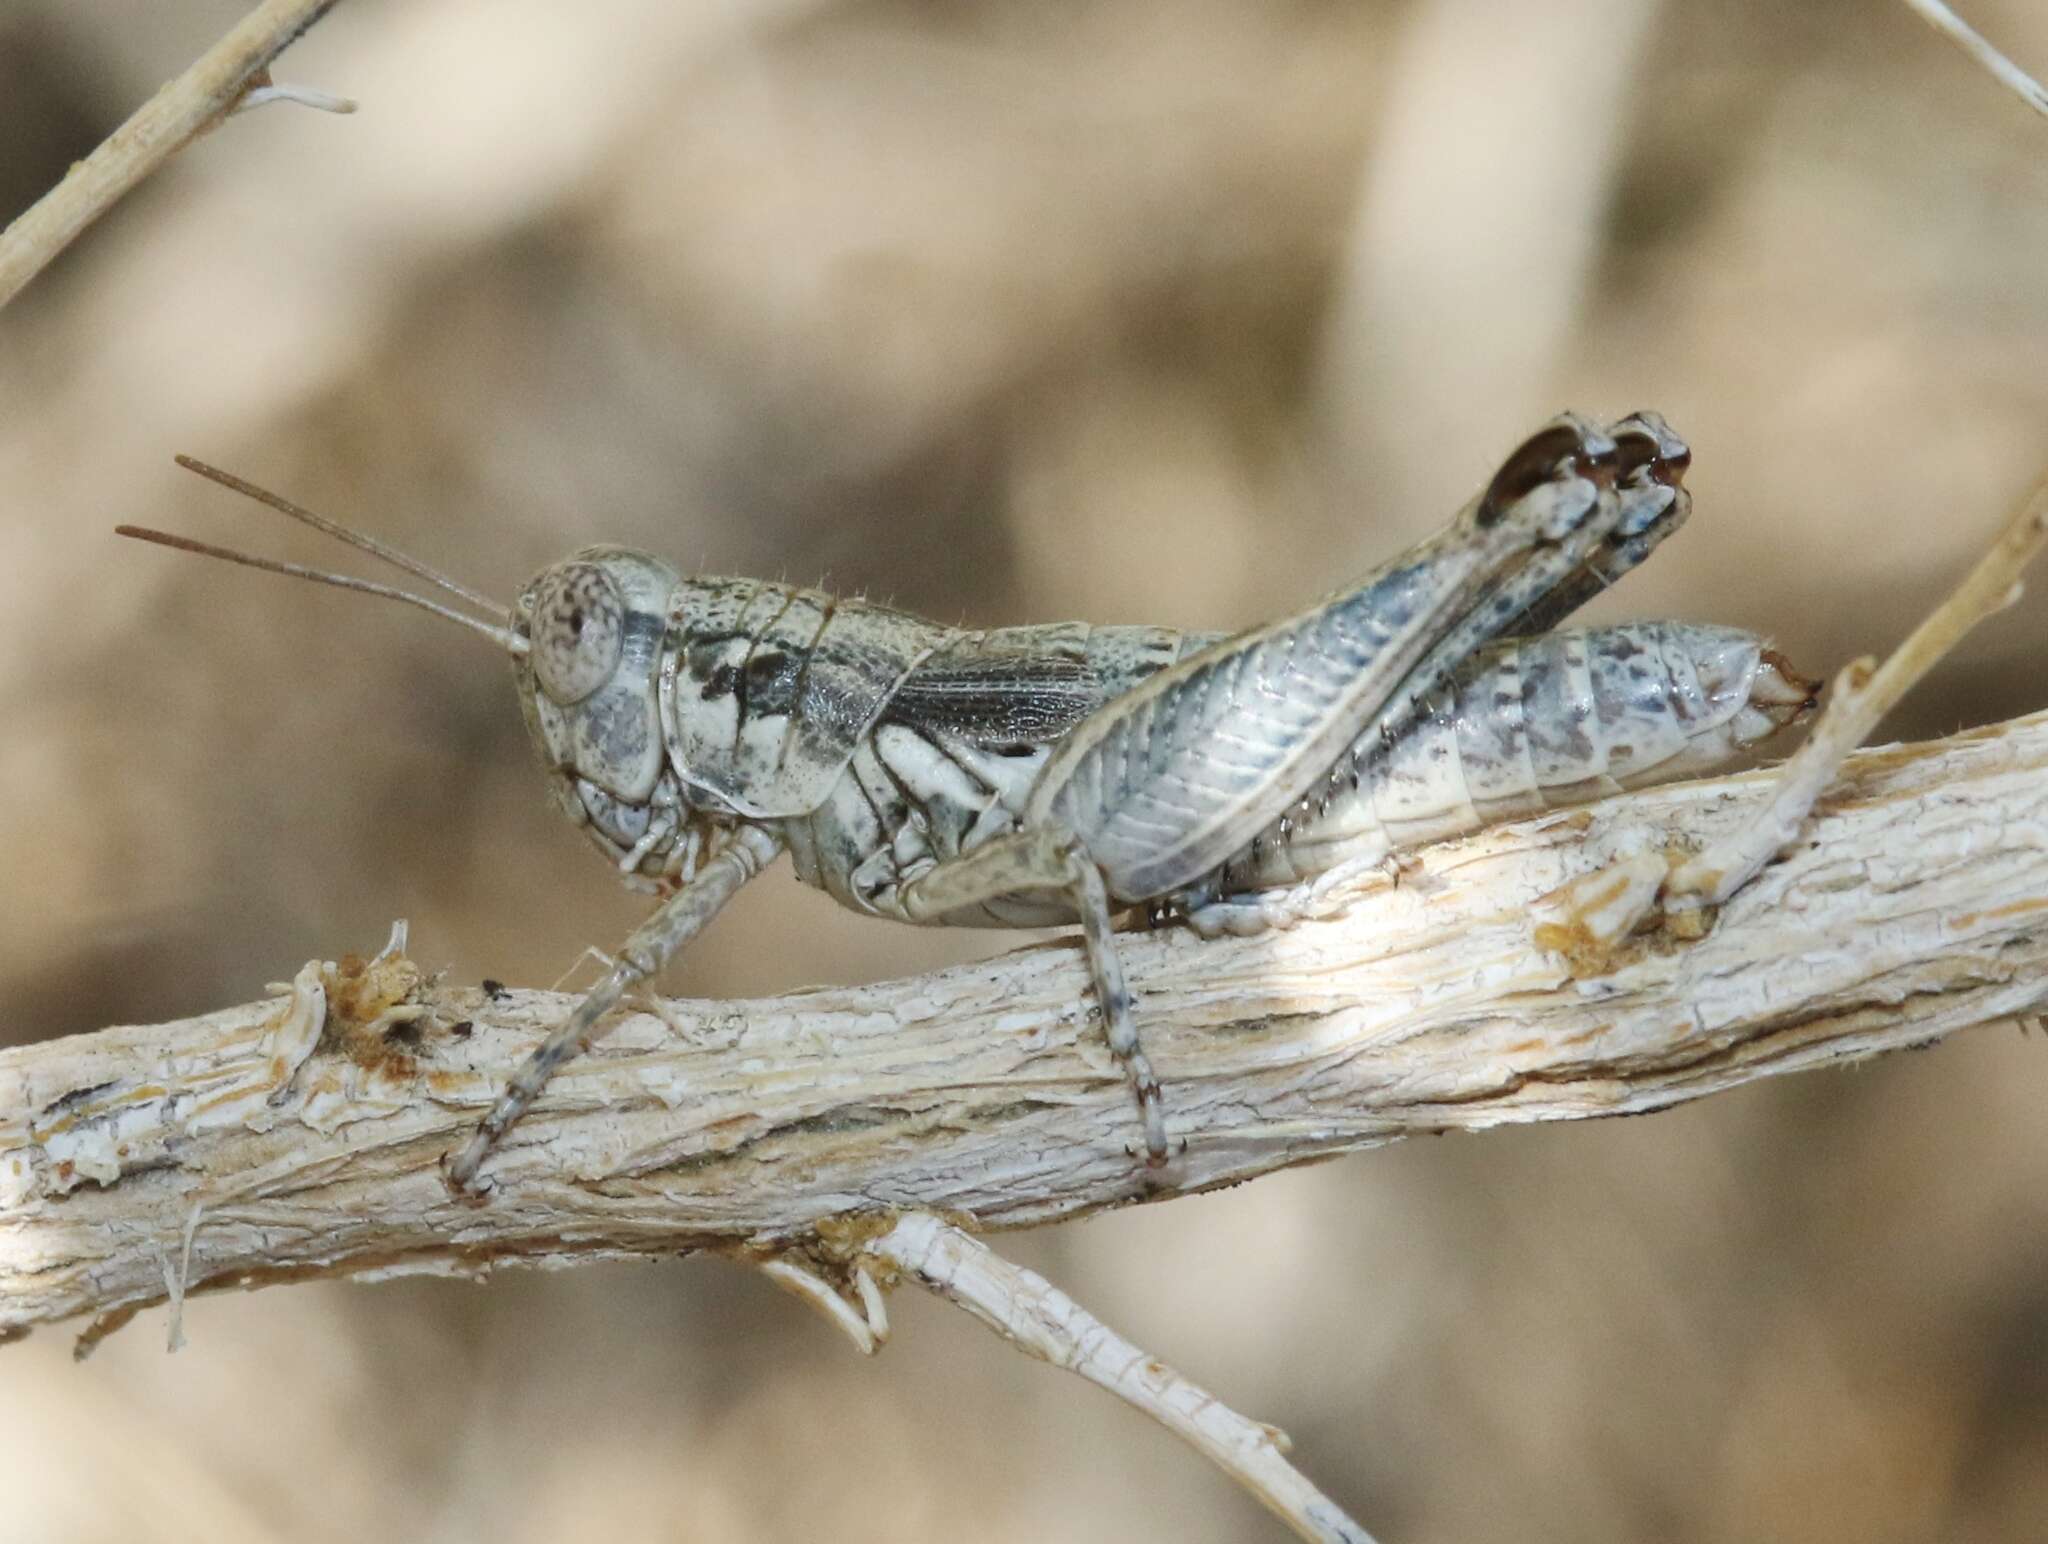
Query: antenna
x,y
498,631
339,532
504,637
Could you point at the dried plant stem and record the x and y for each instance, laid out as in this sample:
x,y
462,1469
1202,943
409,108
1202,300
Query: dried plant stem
x,y
1587,920
161,127
1042,1321
1994,63
301,1137
309,1128
1859,699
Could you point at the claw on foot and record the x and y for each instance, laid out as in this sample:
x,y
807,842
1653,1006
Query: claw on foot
x,y
469,1188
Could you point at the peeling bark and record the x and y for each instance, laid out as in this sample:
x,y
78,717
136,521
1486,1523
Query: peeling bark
x,y
301,1137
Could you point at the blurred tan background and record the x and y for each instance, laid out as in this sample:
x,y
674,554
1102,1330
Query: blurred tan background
x,y
1163,310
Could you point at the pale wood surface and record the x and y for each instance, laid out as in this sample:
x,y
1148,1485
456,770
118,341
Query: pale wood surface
x,y
1911,908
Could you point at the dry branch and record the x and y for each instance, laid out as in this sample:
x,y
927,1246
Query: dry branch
x,y
234,70
300,1137
1042,1321
1976,48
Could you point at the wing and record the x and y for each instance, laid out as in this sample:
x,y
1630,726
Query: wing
x,y
1171,780
1016,689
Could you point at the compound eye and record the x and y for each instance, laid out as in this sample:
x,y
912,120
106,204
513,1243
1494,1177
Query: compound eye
x,y
578,630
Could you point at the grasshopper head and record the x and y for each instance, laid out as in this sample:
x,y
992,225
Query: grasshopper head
x,y
592,627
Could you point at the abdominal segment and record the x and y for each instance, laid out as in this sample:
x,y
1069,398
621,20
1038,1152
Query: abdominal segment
x,y
1532,724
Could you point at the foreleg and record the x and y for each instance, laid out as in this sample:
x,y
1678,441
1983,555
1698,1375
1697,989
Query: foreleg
x,y
645,955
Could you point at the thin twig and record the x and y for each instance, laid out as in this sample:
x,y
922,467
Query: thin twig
x,y
1585,921
1994,63
1042,1321
162,126
1858,701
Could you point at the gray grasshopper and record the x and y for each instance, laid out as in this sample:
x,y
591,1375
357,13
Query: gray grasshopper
x,y
696,728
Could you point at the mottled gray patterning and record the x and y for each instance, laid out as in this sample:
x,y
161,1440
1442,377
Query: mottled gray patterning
x,y
1034,776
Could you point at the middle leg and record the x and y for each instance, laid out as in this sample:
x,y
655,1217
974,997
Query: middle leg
x,y
1053,860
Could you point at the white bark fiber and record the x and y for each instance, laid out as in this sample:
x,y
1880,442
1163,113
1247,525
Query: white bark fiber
x,y
301,1137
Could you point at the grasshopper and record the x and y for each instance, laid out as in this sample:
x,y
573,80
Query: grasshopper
x,y
696,728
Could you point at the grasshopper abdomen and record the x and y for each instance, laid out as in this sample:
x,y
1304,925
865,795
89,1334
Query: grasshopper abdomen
x,y
1531,724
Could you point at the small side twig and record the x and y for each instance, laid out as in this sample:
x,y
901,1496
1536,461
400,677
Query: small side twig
x,y
234,69
1971,42
263,91
1859,699
1042,1321
1586,920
